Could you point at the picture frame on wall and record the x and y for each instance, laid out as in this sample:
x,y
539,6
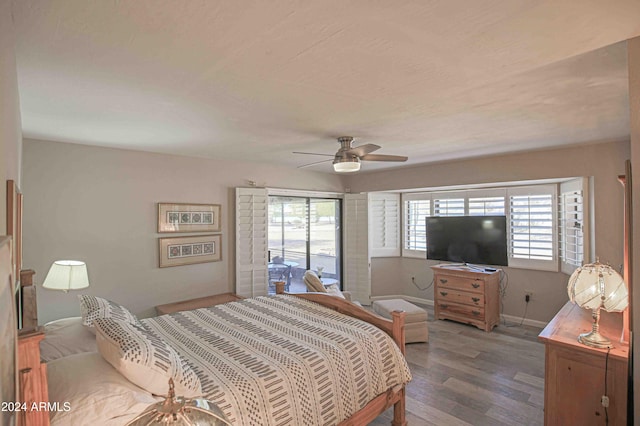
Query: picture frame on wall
x,y
178,251
183,217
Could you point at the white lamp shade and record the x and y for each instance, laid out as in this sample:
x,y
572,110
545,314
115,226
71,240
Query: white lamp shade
x,y
67,275
596,285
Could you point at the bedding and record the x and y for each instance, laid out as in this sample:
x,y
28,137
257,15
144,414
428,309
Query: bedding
x,y
144,359
93,307
282,360
89,391
64,337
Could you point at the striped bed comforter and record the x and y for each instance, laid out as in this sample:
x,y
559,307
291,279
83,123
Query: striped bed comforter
x,y
282,360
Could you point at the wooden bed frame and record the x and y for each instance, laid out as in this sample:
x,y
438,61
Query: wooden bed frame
x,y
394,328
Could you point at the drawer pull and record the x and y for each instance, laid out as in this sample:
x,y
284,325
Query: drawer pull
x,y
443,281
475,299
443,293
444,306
476,313
475,285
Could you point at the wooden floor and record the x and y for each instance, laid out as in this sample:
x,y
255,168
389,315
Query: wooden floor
x,y
465,376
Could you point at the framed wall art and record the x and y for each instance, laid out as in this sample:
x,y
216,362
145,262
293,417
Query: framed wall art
x,y
179,217
177,251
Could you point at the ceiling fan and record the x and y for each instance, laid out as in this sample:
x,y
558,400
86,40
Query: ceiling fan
x,y
348,157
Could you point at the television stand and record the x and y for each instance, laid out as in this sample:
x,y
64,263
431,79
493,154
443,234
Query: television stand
x,y
470,296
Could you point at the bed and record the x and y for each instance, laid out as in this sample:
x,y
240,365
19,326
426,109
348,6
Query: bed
x,y
273,360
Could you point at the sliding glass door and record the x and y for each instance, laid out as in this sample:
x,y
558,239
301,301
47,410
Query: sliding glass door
x,y
304,233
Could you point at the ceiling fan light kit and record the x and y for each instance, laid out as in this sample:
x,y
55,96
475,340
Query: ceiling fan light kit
x,y
348,157
346,165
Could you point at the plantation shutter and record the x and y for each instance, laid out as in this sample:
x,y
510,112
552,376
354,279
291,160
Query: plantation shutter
x,y
532,236
357,267
251,242
384,224
416,208
448,205
572,222
486,202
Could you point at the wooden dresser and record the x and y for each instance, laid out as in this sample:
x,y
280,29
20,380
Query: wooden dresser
x,y
32,376
575,373
467,295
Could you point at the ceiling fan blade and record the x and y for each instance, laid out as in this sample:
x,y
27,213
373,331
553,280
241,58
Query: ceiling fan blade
x,y
382,157
313,153
313,164
363,149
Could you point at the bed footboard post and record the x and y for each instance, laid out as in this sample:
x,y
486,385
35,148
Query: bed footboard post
x,y
398,328
399,418
279,287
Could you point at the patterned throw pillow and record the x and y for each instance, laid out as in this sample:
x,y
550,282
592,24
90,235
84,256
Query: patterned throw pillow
x,y
93,307
313,283
144,358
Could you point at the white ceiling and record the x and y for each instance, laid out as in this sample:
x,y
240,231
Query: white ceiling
x,y
256,80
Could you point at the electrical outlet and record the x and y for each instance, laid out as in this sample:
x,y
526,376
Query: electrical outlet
x,y
528,295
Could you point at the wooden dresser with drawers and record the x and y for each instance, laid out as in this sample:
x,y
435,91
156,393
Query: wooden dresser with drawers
x,y
467,295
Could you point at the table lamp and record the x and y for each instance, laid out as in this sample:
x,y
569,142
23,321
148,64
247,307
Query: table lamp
x,y
67,275
597,286
180,411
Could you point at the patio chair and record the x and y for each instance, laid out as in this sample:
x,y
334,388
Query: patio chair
x,y
279,272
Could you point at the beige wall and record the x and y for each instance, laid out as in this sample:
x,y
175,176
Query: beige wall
x,y
602,161
10,127
99,205
102,203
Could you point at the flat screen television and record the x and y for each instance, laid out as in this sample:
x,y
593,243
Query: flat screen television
x,y
478,240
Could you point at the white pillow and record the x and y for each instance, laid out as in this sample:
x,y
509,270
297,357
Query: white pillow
x,y
333,290
144,358
91,392
64,337
93,307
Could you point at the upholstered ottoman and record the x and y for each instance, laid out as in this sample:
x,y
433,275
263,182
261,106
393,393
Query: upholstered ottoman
x,y
415,320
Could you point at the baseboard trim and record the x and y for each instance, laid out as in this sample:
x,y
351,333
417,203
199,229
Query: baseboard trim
x,y
517,320
508,318
407,298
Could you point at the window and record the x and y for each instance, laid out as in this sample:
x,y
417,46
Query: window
x,y
532,231
572,219
304,233
448,206
384,224
416,209
486,206
531,220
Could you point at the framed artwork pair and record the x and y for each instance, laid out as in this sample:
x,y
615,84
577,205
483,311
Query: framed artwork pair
x,y
187,218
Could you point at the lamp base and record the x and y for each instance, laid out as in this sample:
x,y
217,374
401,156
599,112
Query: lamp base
x,y
595,340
